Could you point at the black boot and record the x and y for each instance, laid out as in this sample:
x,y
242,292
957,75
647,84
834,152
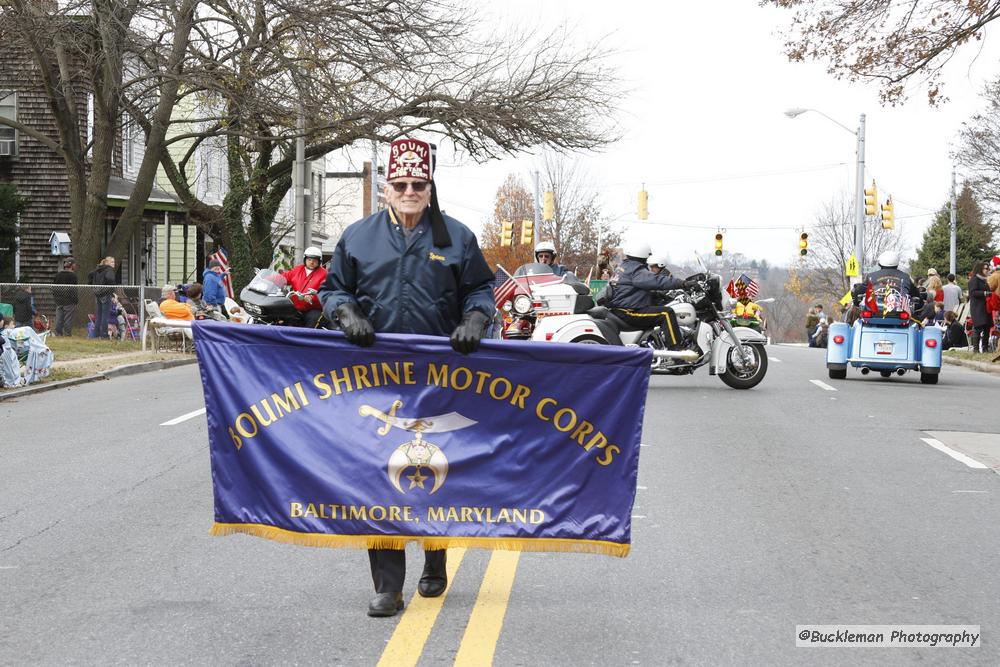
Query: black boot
x,y
434,579
385,604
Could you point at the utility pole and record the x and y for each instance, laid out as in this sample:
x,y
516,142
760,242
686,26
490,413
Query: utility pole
x,y
374,175
538,207
859,210
954,226
301,241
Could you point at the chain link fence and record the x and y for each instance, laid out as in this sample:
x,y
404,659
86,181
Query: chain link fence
x,y
76,310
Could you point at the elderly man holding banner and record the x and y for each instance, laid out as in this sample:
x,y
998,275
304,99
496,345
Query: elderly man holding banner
x,y
398,434
409,269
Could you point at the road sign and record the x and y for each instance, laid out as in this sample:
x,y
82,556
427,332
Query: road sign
x,y
852,267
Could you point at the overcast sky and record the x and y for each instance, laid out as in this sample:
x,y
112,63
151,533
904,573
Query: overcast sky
x,y
704,129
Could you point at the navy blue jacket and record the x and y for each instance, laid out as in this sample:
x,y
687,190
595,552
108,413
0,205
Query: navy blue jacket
x,y
408,286
633,284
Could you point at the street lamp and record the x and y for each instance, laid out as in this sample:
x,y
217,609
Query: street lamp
x,y
859,204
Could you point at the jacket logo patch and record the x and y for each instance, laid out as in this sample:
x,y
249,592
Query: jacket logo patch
x,y
432,257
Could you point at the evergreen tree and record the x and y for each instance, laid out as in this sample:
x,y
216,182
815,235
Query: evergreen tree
x,y
11,205
974,239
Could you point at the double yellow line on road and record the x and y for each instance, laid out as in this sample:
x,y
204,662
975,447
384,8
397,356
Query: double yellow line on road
x,y
483,630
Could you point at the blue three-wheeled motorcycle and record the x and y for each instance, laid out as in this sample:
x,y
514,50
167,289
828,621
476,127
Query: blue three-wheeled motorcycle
x,y
892,343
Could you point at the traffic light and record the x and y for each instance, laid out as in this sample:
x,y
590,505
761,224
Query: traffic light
x,y
718,244
871,200
527,231
643,205
507,235
888,215
803,244
549,206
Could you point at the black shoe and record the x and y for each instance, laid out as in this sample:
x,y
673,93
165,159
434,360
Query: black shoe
x,y
433,582
385,604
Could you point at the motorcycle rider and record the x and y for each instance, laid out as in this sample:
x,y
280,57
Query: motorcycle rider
x,y
658,265
545,253
890,286
308,276
632,295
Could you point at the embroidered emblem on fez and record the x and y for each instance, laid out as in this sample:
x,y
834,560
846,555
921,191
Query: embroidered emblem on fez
x,y
409,158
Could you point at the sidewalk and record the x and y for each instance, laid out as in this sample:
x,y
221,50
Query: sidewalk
x,y
982,366
101,367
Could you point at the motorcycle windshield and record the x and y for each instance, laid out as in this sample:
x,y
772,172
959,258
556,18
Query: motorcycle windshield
x,y
268,282
533,269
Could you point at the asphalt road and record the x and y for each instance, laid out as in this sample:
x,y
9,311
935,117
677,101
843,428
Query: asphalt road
x,y
757,511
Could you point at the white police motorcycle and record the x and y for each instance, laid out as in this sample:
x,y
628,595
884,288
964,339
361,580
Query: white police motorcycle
x,y
735,354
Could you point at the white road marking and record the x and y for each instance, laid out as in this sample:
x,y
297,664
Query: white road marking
x,y
958,456
642,488
14,567
643,445
775,359
183,418
822,385
968,491
638,516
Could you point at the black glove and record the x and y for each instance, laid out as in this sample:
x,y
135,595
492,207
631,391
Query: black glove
x,y
690,284
355,325
466,336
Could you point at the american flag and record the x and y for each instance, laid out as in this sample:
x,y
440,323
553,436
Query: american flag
x,y
227,282
743,284
503,287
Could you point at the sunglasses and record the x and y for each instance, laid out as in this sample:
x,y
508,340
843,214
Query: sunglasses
x,y
419,186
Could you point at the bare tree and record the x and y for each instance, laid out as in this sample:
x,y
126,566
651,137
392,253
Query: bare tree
x,y
831,244
577,229
979,149
891,43
513,203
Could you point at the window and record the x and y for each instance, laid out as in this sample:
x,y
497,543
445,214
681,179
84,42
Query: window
x,y
8,135
127,158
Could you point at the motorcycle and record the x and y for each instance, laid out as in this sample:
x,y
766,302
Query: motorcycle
x,y
735,354
269,300
536,293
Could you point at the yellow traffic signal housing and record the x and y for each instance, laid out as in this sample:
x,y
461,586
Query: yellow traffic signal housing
x,y
888,215
803,244
718,244
643,205
871,200
527,231
549,206
507,233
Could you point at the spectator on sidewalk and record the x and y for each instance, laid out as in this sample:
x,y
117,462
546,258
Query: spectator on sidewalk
x,y
103,277
214,292
954,332
979,291
172,308
65,298
934,286
812,321
201,309
24,306
952,294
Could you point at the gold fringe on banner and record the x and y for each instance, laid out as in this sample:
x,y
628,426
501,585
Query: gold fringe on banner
x,y
400,541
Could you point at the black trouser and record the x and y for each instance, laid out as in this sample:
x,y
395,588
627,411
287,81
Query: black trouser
x,y
389,567
311,318
981,338
648,317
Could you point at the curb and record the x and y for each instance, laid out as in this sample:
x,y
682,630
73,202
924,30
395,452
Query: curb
x,y
118,371
980,366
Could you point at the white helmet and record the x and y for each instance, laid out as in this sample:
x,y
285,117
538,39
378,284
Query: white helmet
x,y
314,252
637,249
888,260
545,246
657,260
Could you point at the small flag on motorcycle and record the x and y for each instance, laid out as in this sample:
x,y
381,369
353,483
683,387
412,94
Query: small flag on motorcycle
x,y
743,285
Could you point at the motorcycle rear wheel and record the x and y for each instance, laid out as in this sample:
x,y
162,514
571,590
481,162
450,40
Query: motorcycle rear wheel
x,y
745,378
589,340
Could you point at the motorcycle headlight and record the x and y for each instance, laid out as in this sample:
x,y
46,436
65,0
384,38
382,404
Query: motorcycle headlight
x,y
506,306
522,304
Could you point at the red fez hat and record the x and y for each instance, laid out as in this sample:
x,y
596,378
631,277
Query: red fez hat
x,y
413,158
410,158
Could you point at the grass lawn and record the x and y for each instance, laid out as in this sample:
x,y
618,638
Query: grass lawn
x,y
974,356
77,347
